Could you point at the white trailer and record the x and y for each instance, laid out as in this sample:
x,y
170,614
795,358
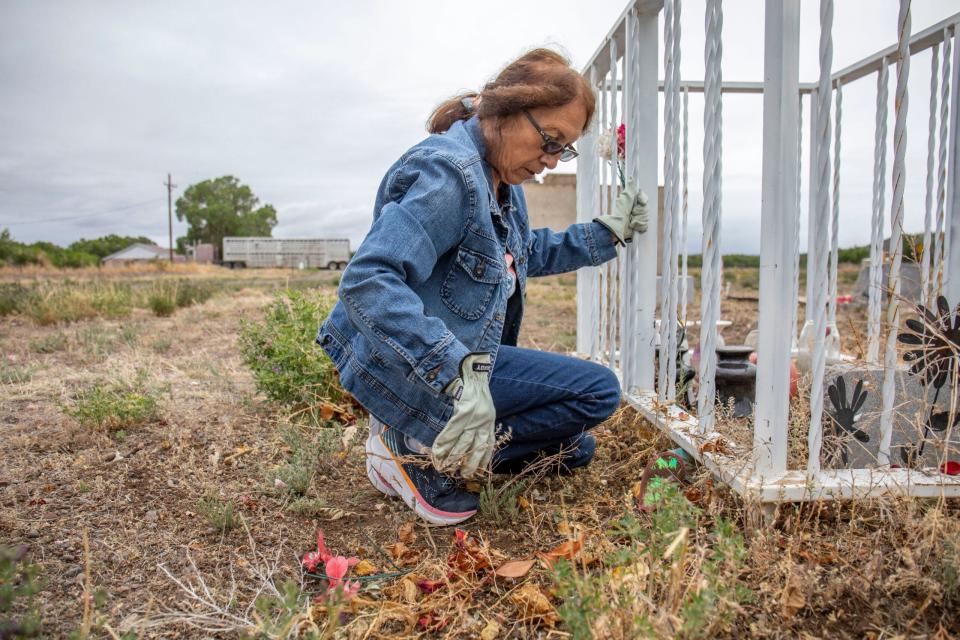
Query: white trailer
x,y
294,253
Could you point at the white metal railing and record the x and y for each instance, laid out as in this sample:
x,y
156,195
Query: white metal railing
x,y
618,302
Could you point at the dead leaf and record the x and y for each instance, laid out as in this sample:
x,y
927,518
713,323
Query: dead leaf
x,y
534,604
718,446
429,586
410,590
491,631
566,550
514,568
792,598
327,410
405,533
524,504
364,568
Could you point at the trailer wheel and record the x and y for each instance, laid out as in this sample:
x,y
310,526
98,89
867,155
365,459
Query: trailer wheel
x,y
342,265
332,265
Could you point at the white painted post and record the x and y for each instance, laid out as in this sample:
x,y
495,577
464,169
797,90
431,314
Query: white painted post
x,y
586,211
952,227
645,244
777,232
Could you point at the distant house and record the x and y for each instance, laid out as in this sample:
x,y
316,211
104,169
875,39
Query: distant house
x,y
140,252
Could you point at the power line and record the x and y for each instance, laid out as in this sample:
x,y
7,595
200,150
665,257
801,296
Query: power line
x,y
79,217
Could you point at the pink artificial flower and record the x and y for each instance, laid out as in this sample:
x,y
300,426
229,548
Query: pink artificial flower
x,y
622,141
336,569
313,558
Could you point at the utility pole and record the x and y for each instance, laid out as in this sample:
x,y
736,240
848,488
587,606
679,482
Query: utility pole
x,y
170,187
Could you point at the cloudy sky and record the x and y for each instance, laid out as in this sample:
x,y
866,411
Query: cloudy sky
x,y
310,102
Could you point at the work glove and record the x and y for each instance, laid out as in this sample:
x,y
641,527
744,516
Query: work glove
x,y
466,443
629,214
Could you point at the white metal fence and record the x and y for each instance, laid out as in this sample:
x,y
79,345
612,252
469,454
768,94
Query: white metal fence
x,y
619,304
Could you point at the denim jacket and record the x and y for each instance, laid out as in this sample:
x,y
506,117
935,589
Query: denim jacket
x,y
429,283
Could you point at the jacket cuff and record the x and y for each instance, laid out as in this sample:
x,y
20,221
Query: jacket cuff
x,y
601,242
442,365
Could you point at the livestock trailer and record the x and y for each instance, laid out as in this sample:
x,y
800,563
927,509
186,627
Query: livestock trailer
x,y
295,253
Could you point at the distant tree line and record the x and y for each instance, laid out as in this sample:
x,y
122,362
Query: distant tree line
x,y
212,209
912,250
82,253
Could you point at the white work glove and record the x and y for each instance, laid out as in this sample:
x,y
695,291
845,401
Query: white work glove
x,y
466,443
629,214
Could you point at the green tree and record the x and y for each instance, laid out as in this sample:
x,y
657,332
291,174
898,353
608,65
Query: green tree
x,y
104,246
222,207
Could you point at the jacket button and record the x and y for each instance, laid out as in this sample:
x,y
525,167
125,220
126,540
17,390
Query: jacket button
x,y
325,341
432,375
478,272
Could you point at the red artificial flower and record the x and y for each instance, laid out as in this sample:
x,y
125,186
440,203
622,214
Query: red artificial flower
x,y
950,467
622,141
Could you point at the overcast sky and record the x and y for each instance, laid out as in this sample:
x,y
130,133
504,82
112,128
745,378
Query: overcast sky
x,y
310,102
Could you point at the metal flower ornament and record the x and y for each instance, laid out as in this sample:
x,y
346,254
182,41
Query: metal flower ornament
x,y
845,413
933,343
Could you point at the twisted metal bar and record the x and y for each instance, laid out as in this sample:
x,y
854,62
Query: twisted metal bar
x,y
613,322
796,235
928,196
684,207
875,291
669,123
902,104
815,434
939,265
712,174
675,239
835,221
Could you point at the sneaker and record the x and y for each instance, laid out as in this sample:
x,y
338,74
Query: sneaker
x,y
378,481
577,451
396,469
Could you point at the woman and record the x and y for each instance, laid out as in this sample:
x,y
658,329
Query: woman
x,y
424,334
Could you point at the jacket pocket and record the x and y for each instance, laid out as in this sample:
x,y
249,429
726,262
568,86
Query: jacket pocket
x,y
471,283
333,345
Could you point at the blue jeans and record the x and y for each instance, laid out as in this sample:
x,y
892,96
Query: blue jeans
x,y
548,402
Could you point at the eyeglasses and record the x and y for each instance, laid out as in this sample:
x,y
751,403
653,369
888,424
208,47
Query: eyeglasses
x,y
551,146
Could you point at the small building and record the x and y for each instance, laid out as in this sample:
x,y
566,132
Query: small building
x,y
203,252
553,202
139,252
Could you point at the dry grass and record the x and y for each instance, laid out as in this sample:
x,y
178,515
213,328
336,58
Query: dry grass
x,y
120,517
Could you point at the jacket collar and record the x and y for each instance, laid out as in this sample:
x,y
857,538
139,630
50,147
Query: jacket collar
x,y
473,129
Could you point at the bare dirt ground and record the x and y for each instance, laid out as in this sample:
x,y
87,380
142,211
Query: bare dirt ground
x,y
880,569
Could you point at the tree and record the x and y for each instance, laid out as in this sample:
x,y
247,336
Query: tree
x,y
222,207
104,246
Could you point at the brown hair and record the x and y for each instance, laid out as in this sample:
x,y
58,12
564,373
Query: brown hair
x,y
538,78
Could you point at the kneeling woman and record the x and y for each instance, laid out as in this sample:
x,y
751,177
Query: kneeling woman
x,y
424,334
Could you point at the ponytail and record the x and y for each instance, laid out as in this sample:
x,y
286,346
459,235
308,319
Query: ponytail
x,y
456,108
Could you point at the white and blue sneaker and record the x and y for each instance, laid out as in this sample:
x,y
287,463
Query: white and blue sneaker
x,y
397,469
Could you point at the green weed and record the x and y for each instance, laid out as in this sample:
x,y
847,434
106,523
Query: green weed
x,y
218,512
49,343
287,365
500,504
113,406
673,563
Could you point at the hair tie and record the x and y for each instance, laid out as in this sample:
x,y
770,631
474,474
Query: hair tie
x,y
467,102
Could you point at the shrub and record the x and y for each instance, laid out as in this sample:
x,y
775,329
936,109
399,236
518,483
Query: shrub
x,y
287,365
190,293
115,406
13,298
162,299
